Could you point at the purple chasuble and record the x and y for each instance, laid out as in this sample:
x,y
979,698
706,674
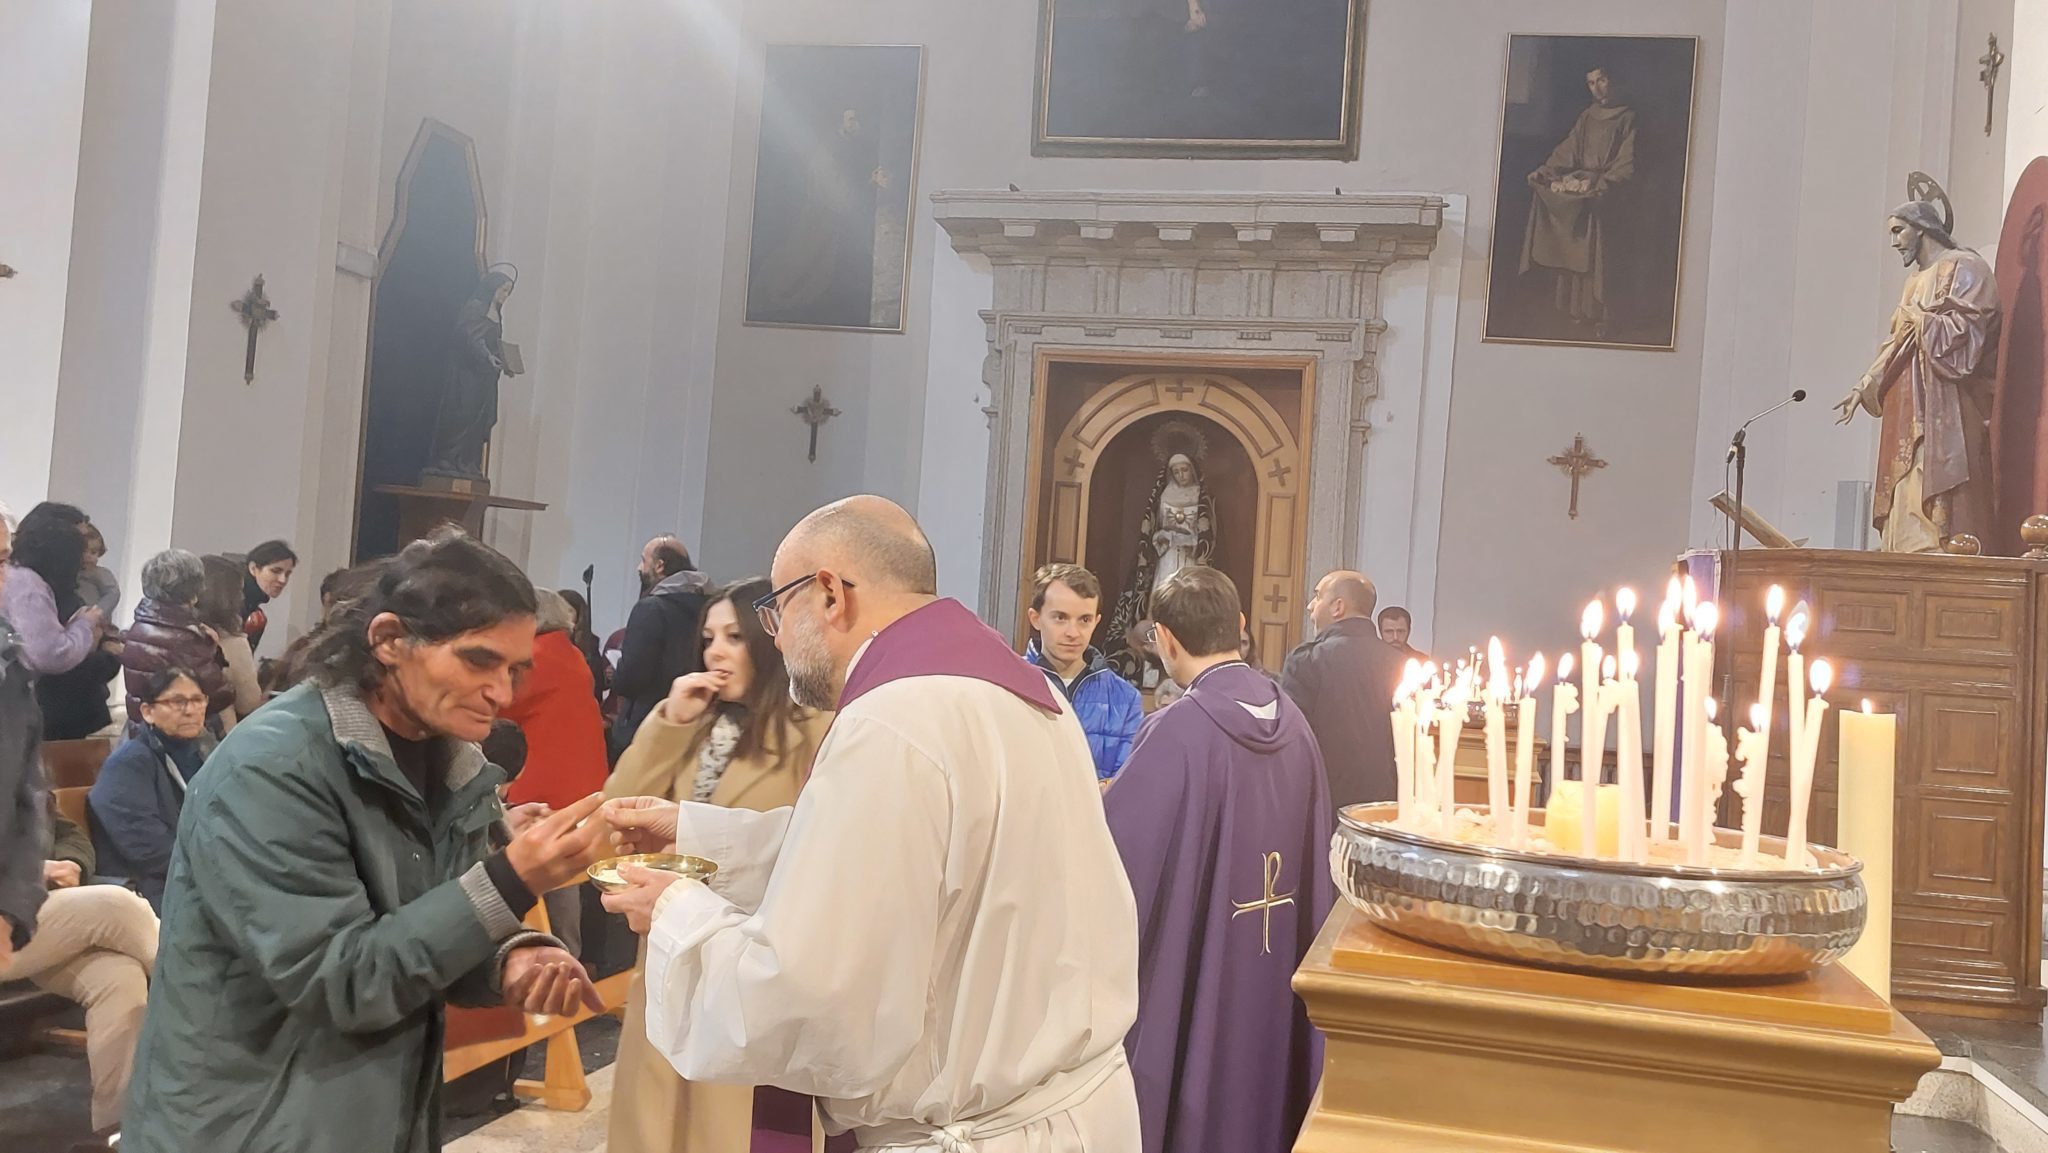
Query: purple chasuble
x,y
943,639
1223,820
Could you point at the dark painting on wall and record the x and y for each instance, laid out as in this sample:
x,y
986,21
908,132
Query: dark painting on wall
x,y
834,186
1590,194
1229,79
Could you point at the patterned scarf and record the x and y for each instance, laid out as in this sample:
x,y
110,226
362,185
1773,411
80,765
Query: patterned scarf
x,y
716,755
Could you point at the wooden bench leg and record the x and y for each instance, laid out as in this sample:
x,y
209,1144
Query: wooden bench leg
x,y
563,1088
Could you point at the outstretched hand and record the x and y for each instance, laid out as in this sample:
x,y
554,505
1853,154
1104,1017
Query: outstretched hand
x,y
641,824
1845,410
547,981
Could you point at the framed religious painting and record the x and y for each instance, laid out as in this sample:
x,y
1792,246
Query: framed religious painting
x,y
1226,79
835,180
1589,206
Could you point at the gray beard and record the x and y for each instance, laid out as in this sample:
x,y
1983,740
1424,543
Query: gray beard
x,y
809,665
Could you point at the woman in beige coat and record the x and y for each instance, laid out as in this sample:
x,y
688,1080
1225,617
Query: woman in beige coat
x,y
726,736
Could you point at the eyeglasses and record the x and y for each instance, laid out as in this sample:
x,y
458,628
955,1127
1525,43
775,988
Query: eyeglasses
x,y
179,704
769,608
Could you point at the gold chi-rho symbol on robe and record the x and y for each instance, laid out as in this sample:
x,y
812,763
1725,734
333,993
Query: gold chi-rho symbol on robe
x,y
1266,903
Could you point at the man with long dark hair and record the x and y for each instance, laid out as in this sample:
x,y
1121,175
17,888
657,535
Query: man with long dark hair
x,y
332,882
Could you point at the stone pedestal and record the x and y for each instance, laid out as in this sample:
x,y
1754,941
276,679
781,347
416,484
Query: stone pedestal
x,y
1435,1052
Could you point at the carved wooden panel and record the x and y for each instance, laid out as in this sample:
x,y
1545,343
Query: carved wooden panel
x,y
1958,648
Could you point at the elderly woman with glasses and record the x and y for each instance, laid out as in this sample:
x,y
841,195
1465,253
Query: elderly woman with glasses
x,y
134,805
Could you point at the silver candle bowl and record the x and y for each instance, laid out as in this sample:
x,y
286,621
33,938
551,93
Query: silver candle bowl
x,y
1668,922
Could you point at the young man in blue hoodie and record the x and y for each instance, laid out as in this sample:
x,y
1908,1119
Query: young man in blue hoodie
x,y
1066,602
1223,822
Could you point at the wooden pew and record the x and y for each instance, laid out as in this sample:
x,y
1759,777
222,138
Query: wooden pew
x,y
75,764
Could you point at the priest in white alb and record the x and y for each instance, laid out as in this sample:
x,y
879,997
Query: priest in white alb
x,y
938,942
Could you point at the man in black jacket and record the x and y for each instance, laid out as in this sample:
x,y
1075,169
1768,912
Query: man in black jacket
x,y
1343,680
663,635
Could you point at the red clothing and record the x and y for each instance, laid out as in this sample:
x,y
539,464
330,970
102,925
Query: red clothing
x,y
557,710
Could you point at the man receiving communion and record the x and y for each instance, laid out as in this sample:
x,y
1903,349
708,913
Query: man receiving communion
x,y
937,941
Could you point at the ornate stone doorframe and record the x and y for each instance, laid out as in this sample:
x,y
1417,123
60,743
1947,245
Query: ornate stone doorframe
x,y
1273,600
1179,276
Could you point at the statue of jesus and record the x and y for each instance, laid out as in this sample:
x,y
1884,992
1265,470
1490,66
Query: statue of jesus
x,y
1932,385
469,398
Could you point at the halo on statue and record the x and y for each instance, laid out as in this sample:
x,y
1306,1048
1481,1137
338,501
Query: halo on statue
x,y
509,269
1178,436
1925,189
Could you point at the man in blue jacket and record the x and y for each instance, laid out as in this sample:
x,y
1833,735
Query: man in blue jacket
x,y
1065,604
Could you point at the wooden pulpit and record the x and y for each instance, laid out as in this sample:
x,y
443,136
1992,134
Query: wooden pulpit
x,y
1958,648
423,509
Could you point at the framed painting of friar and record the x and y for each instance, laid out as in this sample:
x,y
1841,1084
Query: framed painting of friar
x,y
1589,211
834,185
1228,79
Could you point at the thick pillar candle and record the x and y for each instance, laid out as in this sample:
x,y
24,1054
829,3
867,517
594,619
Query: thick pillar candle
x,y
1867,775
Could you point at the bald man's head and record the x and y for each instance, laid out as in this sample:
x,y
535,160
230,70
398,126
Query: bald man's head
x,y
1340,596
872,541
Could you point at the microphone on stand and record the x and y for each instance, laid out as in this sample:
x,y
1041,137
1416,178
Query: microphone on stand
x,y
1742,434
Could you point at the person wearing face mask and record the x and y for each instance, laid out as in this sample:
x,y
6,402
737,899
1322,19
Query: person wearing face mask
x,y
729,736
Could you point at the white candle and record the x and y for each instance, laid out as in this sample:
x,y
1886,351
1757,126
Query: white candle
x,y
1404,742
1525,751
1453,730
1865,776
1664,714
1628,758
1795,680
1564,701
1592,724
1716,771
1693,821
1424,810
1803,764
1767,691
1497,803
1753,749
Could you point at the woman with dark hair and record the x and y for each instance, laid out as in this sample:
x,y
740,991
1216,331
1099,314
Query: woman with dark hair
x,y
135,801
62,640
333,883
730,736
168,634
270,570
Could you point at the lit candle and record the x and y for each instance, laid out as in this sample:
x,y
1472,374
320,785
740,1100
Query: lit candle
x,y
1802,766
1497,739
1693,821
1453,730
1664,714
1424,810
1564,701
1404,741
1795,680
1753,749
1865,772
1767,692
1624,632
1628,757
1714,771
1525,751
1593,724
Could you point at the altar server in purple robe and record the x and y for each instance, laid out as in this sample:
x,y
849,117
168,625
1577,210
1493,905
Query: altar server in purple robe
x,y
1223,821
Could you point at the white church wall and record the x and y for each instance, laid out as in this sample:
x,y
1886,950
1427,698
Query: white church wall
x,y
1975,179
43,49
2026,81
1432,81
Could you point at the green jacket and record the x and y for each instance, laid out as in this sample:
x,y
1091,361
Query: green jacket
x,y
317,914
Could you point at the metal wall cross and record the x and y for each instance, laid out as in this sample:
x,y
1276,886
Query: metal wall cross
x,y
1992,60
815,413
1267,902
255,311
1577,463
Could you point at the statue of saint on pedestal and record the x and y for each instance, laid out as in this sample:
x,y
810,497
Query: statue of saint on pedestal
x,y
1178,530
477,360
1932,384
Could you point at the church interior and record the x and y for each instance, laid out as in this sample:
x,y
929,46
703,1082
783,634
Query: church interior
x,y
1497,305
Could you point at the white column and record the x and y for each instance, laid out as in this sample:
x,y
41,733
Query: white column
x,y
42,84
2026,81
